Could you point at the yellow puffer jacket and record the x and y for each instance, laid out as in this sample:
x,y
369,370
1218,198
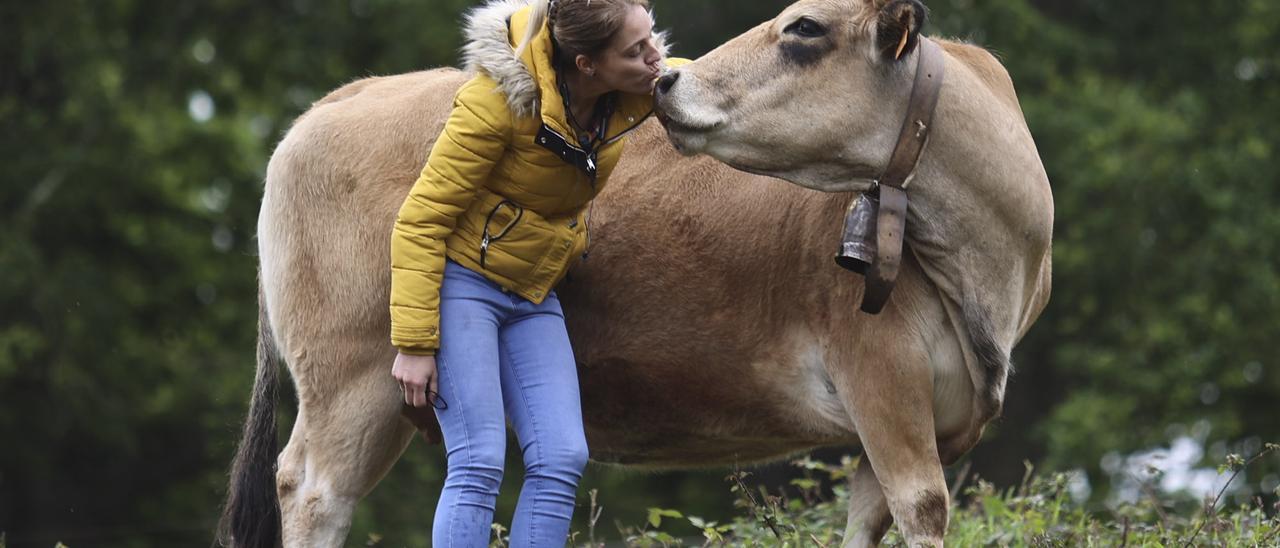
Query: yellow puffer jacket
x,y
519,175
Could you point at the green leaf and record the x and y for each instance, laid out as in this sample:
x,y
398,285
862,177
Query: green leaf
x,y
804,483
656,515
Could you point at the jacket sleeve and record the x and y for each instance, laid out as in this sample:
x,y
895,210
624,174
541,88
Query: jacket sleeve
x,y
675,62
473,140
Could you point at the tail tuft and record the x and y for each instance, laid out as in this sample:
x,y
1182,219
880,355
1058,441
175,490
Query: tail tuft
x,y
251,516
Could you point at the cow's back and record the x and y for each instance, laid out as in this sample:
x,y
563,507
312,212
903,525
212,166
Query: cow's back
x,y
334,185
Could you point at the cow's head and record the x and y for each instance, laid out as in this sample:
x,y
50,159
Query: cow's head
x,y
815,96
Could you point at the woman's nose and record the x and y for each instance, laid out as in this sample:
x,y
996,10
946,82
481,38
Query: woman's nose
x,y
654,56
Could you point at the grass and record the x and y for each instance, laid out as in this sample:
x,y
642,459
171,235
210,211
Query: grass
x,y
1038,513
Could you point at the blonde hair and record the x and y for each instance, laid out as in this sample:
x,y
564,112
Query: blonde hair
x,y
578,27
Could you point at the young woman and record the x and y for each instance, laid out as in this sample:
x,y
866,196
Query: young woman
x,y
492,224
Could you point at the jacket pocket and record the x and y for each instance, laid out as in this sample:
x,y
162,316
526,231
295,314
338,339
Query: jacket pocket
x,y
498,223
510,240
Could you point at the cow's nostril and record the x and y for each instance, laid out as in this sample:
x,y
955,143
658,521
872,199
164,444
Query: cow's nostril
x,y
665,83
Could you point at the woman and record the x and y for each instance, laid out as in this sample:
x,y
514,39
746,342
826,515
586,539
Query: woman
x,y
492,224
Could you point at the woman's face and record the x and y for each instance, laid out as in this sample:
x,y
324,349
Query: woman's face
x,y
631,63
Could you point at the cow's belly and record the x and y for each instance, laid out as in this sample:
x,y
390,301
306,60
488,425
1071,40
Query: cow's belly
x,y
706,409
677,405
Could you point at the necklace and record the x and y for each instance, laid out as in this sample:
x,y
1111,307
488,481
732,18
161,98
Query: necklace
x,y
588,136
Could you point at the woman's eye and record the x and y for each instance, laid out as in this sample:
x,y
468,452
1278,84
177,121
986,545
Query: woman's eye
x,y
805,27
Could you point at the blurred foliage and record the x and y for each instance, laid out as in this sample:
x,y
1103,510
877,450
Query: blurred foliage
x,y
1040,510
136,134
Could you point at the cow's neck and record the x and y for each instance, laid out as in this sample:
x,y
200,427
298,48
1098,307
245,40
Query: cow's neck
x,y
980,209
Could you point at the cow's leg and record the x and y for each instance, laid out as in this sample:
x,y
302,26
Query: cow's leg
x,y
869,516
343,442
891,399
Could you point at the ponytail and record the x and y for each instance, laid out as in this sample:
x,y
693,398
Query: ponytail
x,y
577,27
537,18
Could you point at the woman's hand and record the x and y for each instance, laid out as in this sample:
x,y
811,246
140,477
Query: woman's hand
x,y
416,374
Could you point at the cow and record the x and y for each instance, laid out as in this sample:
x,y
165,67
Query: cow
x,y
709,321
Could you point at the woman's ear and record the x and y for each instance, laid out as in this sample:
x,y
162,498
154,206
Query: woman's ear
x,y
898,28
585,65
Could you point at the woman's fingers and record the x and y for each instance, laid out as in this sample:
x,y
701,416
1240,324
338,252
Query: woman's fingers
x,y
416,375
409,392
407,388
412,393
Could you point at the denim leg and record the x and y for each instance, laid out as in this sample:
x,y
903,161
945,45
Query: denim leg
x,y
540,393
473,425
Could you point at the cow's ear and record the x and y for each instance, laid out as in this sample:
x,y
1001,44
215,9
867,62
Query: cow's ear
x,y
898,28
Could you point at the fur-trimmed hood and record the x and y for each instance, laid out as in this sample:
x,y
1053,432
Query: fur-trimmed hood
x,y
491,32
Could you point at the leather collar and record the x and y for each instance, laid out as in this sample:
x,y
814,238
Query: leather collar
x,y
892,185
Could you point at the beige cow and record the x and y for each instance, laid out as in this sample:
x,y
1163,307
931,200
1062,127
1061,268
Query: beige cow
x,y
709,321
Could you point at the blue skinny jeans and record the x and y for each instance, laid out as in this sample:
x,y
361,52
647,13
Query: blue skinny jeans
x,y
503,356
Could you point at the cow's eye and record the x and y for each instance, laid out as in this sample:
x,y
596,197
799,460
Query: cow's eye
x,y
806,27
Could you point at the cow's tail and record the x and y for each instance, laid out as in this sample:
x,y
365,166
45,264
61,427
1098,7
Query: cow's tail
x,y
251,516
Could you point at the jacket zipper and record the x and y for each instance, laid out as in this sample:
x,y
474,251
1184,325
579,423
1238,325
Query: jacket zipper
x,y
615,138
611,140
